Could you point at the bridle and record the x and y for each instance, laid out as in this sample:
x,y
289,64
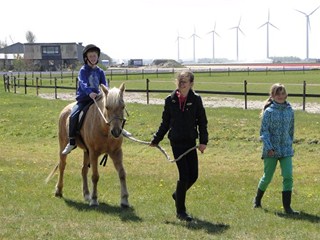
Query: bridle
x,y
108,122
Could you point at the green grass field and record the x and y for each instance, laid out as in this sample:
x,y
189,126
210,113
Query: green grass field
x,y
220,201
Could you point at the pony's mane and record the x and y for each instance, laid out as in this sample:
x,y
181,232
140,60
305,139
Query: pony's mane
x,y
114,97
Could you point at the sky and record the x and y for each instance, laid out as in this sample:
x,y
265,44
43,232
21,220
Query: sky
x,y
149,29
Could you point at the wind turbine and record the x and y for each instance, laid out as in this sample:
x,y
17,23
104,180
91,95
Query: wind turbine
x,y
194,35
268,23
238,29
307,27
178,40
213,33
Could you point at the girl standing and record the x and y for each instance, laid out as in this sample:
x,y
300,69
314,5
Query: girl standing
x,y
276,133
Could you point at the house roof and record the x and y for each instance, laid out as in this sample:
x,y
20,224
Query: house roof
x,y
16,48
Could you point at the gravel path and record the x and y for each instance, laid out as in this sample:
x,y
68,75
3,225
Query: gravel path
x,y
210,102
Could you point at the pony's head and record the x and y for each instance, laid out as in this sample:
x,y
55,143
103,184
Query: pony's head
x,y
115,108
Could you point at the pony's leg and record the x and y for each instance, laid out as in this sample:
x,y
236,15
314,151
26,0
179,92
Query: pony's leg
x,y
95,178
62,166
85,167
117,161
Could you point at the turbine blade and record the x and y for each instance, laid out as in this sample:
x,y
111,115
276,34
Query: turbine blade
x,y
308,23
314,10
262,25
241,31
301,12
274,26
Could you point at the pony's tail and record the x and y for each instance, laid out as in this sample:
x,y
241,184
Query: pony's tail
x,y
51,174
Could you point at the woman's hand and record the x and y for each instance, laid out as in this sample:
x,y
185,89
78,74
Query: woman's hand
x,y
202,147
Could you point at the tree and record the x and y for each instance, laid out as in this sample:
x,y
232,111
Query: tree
x,y
2,44
31,38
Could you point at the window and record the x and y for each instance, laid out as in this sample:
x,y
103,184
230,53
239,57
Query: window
x,y
51,52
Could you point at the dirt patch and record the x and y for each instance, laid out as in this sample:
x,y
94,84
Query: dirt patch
x,y
210,102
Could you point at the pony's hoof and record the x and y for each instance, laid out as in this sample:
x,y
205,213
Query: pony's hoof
x,y
94,202
124,205
58,194
87,197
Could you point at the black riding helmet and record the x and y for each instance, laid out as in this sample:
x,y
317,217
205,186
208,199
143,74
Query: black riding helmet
x,y
90,47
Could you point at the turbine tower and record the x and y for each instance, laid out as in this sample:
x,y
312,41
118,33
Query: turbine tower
x,y
268,23
238,29
213,33
194,35
307,29
178,41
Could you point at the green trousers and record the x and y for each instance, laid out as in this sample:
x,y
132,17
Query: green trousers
x,y
270,165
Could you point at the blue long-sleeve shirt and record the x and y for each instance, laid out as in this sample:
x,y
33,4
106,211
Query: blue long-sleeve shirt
x,y
277,130
89,81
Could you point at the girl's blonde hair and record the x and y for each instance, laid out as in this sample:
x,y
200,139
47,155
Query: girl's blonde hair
x,y
185,74
274,90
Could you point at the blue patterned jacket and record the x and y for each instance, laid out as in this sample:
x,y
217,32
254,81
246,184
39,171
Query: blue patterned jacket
x,y
277,130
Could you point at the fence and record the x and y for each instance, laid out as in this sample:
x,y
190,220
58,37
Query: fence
x,y
208,70
14,83
222,69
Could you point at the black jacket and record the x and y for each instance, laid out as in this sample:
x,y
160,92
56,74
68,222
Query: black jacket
x,y
184,126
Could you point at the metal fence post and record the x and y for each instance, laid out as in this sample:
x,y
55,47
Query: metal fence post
x,y
4,82
245,94
147,83
55,87
15,85
37,86
304,96
25,85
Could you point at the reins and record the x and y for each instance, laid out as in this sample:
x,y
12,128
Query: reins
x,y
95,102
128,135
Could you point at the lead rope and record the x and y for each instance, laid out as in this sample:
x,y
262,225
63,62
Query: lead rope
x,y
128,135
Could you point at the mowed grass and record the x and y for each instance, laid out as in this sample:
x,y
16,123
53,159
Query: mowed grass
x,y
220,201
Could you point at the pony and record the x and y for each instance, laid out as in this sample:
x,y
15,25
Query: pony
x,y
101,133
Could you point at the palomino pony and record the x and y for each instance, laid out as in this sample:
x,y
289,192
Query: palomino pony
x,y
101,133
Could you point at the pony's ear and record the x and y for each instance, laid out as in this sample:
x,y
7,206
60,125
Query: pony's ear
x,y
104,88
122,87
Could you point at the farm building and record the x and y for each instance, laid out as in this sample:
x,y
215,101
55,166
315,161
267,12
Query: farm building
x,y
45,56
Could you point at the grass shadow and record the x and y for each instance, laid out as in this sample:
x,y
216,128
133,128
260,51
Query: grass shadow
x,y
198,224
125,214
302,216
